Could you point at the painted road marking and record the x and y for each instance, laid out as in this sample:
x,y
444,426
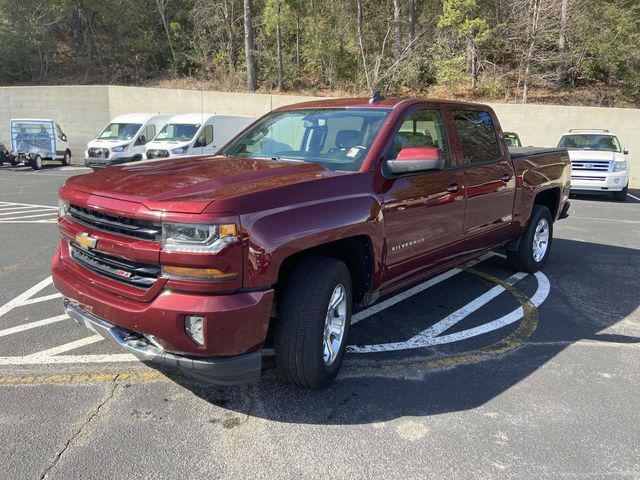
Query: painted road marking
x,y
11,212
83,342
367,312
28,326
633,196
430,336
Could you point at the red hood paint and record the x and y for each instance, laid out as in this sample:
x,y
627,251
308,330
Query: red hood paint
x,y
189,185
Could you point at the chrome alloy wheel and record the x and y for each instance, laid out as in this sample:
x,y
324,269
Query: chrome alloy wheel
x,y
334,324
541,240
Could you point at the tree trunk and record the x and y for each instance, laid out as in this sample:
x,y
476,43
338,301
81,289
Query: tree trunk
x,y
562,43
398,21
472,67
411,16
279,51
252,83
533,33
297,44
361,43
161,6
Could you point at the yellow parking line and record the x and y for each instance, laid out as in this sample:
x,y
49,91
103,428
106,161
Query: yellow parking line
x,y
525,329
128,377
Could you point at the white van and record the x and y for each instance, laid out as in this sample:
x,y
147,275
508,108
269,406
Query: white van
x,y
124,139
195,134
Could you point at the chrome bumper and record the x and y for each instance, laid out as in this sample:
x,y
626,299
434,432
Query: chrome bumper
x,y
221,371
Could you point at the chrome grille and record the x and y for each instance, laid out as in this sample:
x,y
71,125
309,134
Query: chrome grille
x,y
591,165
137,274
98,152
155,153
597,179
130,227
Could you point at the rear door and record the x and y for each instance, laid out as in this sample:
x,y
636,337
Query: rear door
x,y
423,212
489,177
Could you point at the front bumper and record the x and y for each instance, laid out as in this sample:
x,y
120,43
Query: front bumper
x,y
223,371
600,181
95,162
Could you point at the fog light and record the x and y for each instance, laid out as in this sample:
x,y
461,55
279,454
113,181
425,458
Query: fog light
x,y
194,326
616,180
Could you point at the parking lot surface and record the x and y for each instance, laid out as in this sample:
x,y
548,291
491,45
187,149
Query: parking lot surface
x,y
480,372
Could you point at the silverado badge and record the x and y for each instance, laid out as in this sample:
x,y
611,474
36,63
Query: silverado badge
x,y
84,240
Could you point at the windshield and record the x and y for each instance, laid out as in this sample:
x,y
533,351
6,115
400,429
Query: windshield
x,y
512,140
605,143
178,132
33,128
120,131
338,139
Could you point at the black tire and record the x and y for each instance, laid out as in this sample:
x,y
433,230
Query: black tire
x,y
15,161
522,259
66,160
621,196
36,162
300,326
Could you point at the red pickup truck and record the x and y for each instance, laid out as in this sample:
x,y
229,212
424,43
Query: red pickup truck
x,y
313,211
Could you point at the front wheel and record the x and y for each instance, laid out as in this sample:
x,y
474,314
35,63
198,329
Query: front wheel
x,y
535,244
621,196
36,162
314,314
66,160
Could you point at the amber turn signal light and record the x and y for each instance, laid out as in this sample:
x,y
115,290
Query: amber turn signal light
x,y
198,273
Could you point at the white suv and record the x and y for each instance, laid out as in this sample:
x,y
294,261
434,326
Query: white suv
x,y
598,162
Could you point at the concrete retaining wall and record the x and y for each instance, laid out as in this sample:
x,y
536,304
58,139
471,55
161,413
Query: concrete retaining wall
x,y
83,111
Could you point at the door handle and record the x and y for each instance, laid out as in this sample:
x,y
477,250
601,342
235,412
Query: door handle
x,y
453,188
505,178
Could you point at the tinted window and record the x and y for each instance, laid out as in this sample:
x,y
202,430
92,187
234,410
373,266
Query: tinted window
x,y
422,128
208,134
606,143
478,138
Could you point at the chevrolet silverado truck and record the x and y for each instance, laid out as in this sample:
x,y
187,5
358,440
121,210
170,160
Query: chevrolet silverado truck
x,y
310,213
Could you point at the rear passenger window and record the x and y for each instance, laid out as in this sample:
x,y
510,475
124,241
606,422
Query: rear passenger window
x,y
421,128
478,137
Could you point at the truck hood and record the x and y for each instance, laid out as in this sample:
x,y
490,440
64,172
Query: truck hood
x,y
595,155
189,185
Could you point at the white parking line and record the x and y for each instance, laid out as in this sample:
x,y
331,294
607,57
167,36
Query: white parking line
x,y
426,338
28,216
44,354
44,298
29,210
367,312
633,196
30,325
68,359
20,299
27,205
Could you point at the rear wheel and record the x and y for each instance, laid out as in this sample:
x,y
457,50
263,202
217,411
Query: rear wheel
x,y
66,160
621,196
535,244
314,314
36,162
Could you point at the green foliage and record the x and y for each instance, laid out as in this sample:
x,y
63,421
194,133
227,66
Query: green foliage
x,y
457,42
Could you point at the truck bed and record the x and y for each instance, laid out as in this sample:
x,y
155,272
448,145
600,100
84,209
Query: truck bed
x,y
518,152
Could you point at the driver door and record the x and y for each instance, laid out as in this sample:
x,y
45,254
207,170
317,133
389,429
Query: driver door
x,y
423,212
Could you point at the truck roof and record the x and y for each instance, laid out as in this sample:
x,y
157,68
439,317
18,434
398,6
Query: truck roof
x,y
136,117
200,117
363,102
32,120
588,131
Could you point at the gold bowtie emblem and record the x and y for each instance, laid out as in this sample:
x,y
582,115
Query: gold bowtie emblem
x,y
85,241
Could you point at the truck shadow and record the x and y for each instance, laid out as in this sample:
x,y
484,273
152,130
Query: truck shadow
x,y
593,288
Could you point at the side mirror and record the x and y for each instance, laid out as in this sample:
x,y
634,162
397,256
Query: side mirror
x,y
625,151
64,137
200,142
141,140
416,159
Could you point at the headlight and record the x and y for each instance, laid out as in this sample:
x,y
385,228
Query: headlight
x,y
63,207
619,166
119,148
197,238
179,150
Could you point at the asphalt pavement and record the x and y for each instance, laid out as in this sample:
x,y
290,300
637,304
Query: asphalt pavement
x,y
481,372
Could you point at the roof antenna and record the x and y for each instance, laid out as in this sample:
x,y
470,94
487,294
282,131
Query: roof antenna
x,y
376,96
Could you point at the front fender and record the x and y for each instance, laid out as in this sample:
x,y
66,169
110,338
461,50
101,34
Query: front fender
x,y
273,235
